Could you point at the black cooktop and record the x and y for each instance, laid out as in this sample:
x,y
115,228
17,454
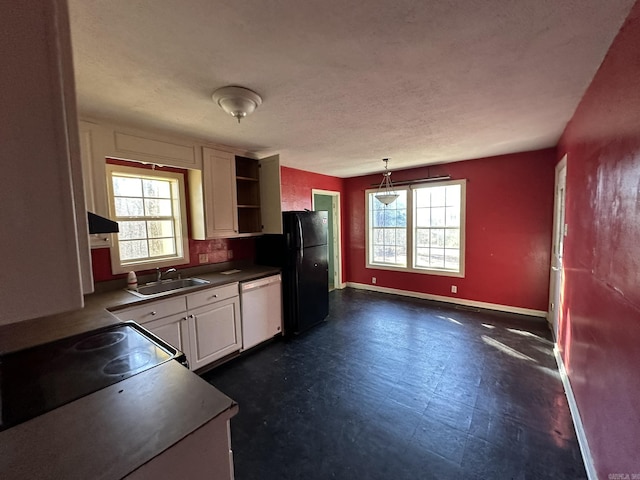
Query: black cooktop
x,y
39,379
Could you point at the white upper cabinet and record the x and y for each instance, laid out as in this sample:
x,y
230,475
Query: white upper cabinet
x,y
270,196
235,196
230,195
141,146
94,148
46,263
213,196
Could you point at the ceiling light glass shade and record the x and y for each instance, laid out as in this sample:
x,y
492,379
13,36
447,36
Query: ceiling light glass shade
x,y
237,101
386,193
387,198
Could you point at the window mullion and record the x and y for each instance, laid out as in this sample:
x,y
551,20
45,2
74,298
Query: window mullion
x,y
410,229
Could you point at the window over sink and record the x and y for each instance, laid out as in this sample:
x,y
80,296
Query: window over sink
x,y
150,208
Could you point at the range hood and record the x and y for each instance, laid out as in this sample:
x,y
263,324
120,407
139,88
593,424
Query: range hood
x,y
98,224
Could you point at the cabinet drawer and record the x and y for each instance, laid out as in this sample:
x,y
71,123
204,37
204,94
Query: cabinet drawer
x,y
153,310
211,295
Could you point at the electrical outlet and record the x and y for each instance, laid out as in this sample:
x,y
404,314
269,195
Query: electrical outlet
x,y
454,289
230,254
373,280
203,257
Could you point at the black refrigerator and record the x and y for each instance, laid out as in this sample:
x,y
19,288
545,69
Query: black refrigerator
x,y
301,253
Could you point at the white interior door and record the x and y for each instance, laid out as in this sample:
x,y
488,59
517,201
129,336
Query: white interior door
x,y
559,233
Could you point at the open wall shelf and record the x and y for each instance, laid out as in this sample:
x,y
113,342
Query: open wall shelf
x,y
248,195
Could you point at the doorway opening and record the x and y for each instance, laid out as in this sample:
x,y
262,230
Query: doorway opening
x,y
330,201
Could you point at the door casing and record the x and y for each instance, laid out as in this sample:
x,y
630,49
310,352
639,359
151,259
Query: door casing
x,y
336,259
557,247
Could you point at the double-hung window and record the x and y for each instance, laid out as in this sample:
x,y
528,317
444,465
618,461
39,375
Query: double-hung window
x,y
149,206
388,230
422,231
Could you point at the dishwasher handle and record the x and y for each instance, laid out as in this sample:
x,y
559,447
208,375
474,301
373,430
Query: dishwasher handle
x,y
263,282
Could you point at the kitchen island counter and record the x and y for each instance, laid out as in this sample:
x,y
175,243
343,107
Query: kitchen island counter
x,y
114,431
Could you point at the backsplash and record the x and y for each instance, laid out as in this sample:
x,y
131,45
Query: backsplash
x,y
201,252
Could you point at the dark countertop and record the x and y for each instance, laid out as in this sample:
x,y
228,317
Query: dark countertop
x,y
95,314
110,433
113,431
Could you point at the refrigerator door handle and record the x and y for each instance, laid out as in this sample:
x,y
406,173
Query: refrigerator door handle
x,y
301,238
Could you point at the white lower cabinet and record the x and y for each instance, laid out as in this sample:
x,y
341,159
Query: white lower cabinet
x,y
216,330
214,324
205,325
173,330
153,311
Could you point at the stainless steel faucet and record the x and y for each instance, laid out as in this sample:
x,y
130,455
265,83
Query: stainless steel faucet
x,y
159,274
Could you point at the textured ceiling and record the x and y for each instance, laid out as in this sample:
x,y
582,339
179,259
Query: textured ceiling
x,y
345,84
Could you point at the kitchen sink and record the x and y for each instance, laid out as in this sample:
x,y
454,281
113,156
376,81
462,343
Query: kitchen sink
x,y
167,286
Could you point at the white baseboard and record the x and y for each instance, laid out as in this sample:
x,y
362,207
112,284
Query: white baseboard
x,y
577,421
457,301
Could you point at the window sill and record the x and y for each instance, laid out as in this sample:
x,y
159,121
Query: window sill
x,y
423,271
150,265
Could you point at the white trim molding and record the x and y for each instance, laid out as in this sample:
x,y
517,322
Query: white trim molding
x,y
410,263
457,301
337,229
577,420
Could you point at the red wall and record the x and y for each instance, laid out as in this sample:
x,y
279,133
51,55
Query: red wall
x,y
217,250
297,186
508,231
599,333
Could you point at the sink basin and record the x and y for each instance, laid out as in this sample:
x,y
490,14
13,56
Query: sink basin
x,y
167,286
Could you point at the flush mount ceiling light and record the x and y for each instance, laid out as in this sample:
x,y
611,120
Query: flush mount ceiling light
x,y
386,193
237,101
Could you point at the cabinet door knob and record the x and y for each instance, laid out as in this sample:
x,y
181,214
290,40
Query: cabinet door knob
x,y
154,313
191,316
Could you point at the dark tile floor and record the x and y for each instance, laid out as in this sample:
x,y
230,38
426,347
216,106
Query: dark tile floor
x,y
398,388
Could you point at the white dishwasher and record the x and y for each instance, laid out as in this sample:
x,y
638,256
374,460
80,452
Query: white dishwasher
x,y
261,303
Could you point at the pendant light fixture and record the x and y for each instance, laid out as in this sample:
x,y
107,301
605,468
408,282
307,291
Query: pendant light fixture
x,y
386,193
237,101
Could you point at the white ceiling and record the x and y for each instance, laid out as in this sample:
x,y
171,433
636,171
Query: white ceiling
x,y
345,84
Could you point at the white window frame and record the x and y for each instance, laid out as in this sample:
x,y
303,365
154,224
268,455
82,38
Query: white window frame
x,y
180,207
369,239
411,231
